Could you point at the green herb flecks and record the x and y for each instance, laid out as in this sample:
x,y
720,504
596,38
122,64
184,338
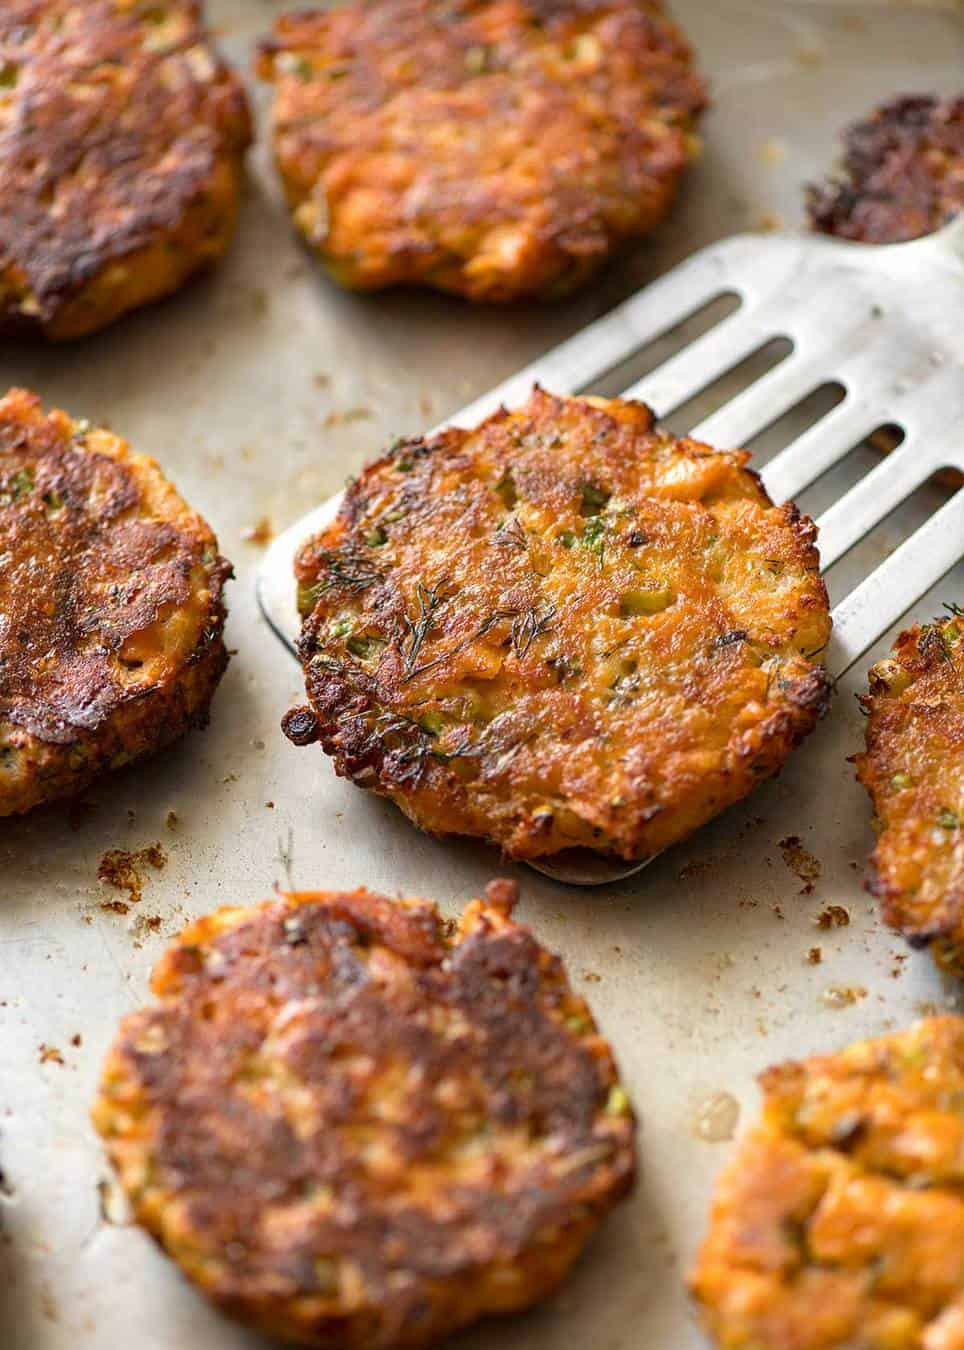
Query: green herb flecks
x,y
617,1103
594,537
20,485
477,60
366,646
593,500
507,490
948,819
639,602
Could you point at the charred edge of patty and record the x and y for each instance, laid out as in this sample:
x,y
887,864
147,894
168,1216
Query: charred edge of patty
x,y
918,651
139,727
886,166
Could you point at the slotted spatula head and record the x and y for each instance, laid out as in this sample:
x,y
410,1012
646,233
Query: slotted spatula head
x,y
885,323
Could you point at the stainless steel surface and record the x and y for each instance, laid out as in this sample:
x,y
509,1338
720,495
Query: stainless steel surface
x,y
882,323
259,390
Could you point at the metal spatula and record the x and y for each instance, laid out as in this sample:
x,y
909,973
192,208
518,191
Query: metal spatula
x,y
886,323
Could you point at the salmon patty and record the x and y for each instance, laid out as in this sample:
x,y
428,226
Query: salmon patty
x,y
353,1124
840,1221
111,615
495,150
903,173
563,628
121,142
913,769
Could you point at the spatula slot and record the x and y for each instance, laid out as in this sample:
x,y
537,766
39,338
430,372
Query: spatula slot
x,y
652,354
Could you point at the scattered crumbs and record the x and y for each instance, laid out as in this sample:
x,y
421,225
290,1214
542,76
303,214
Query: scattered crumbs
x,y
336,419
769,222
112,1202
257,744
321,380
230,778
49,1054
772,152
115,907
777,911
76,1040
695,868
121,869
842,996
815,956
800,861
269,805
131,815
260,533
171,821
834,916
48,1305
925,1007
716,1118
146,923
591,977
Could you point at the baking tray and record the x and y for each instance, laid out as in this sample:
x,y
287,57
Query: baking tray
x,y
259,390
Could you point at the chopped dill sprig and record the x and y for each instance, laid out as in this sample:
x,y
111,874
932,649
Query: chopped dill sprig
x,y
429,601
528,626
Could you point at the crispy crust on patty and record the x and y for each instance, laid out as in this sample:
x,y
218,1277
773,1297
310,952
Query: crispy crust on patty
x,y
352,1126
110,595
494,150
904,173
840,1221
913,769
121,142
561,629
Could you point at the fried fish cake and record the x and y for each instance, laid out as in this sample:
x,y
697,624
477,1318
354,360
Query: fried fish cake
x,y
913,769
839,1224
121,142
564,628
495,150
353,1126
110,606
904,173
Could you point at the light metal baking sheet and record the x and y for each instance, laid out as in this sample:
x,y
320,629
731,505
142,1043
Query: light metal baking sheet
x,y
259,390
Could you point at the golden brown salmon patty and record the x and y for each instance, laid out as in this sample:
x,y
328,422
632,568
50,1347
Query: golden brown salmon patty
x,y
564,628
904,173
913,769
110,606
121,143
496,150
352,1126
839,1224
